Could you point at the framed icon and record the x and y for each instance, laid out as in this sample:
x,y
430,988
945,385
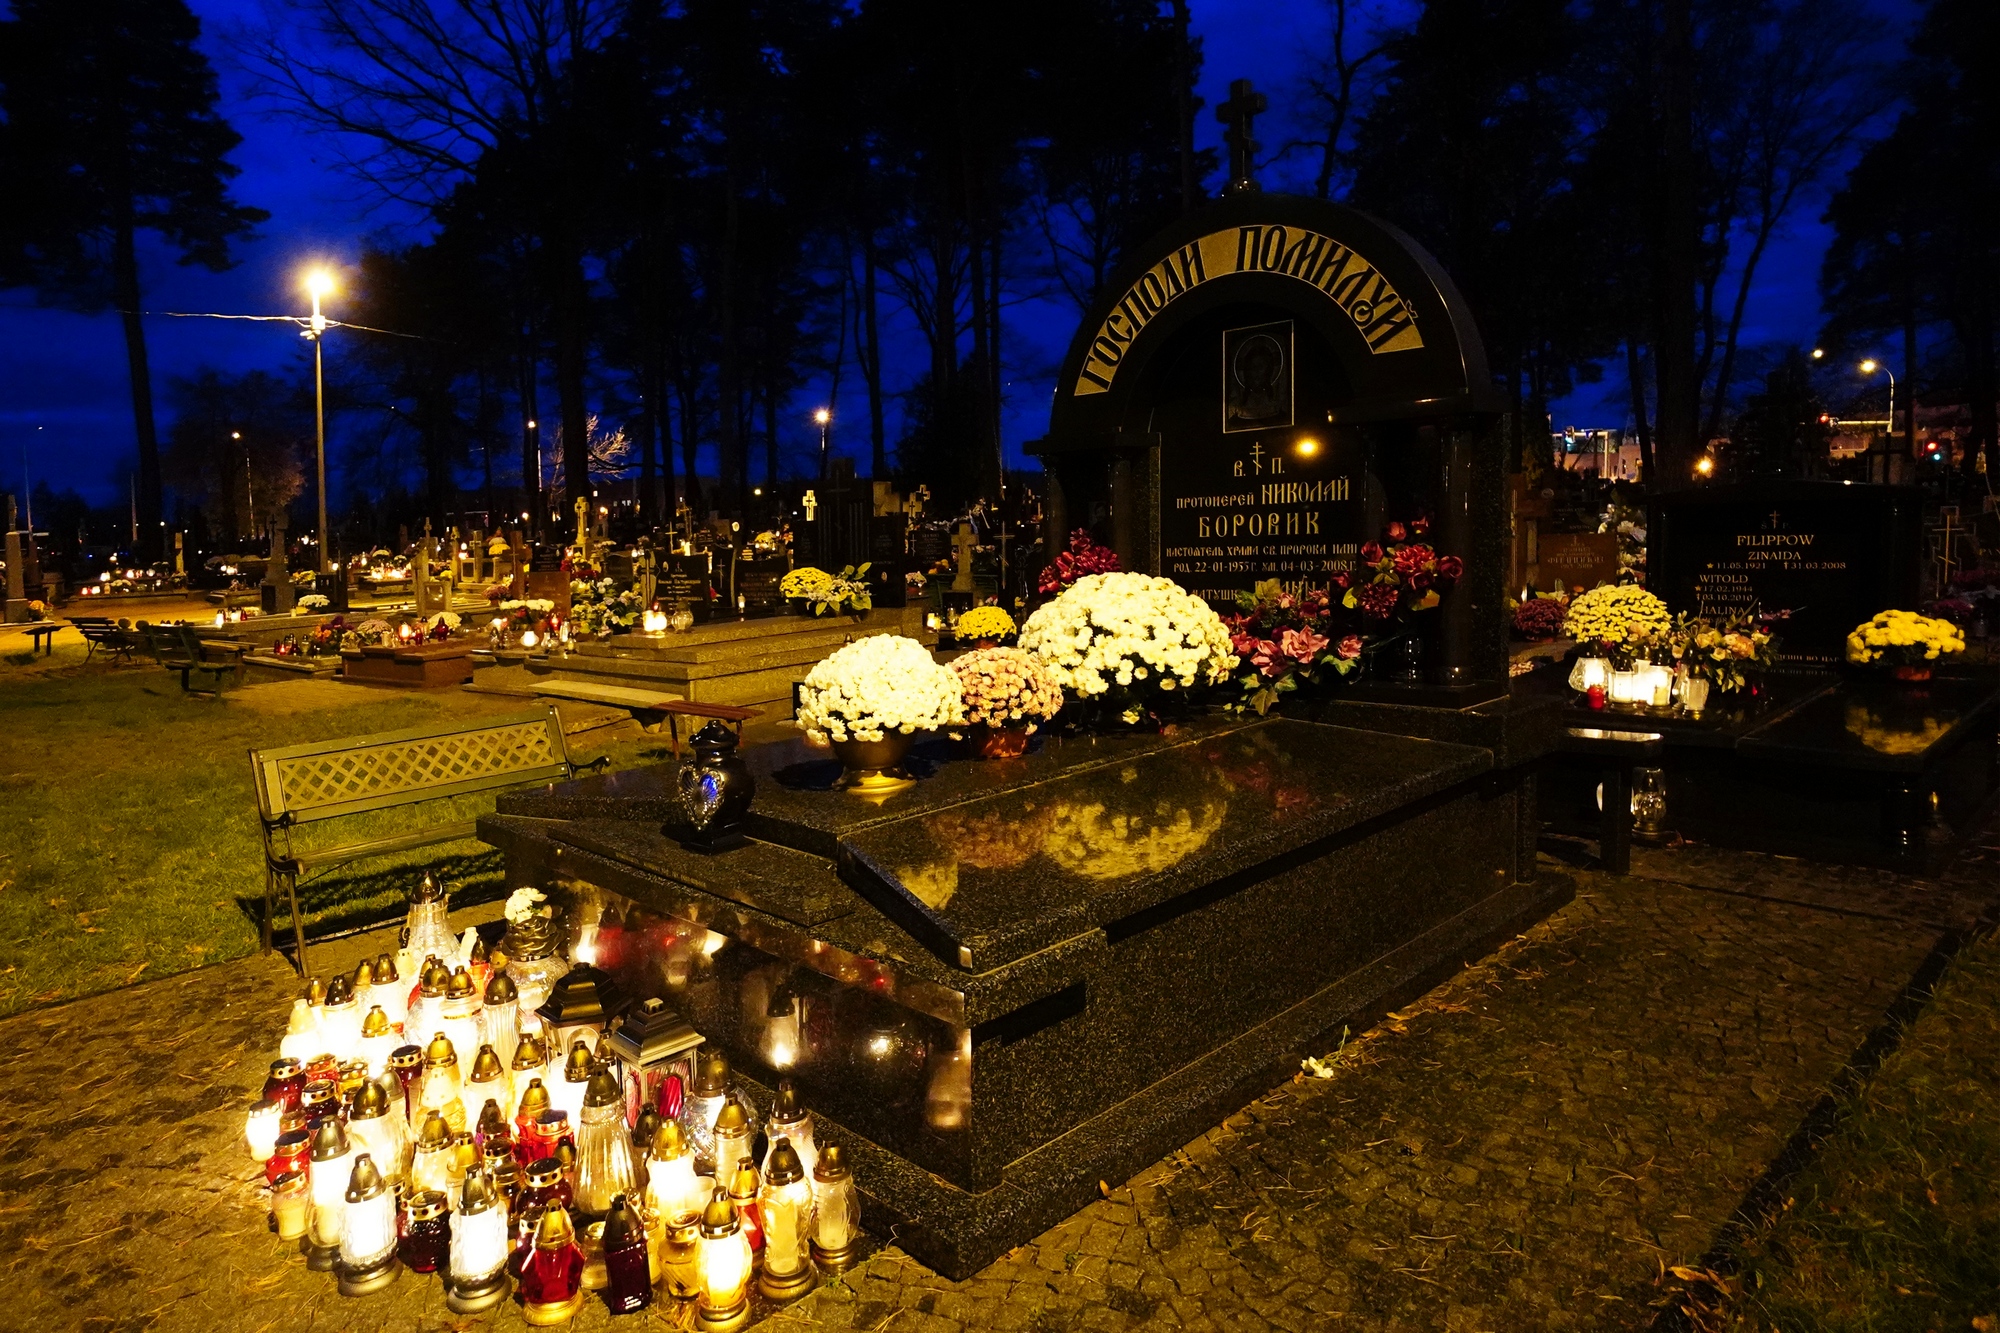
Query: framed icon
x,y
1257,377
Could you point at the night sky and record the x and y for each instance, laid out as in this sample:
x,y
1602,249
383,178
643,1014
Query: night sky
x,y
65,410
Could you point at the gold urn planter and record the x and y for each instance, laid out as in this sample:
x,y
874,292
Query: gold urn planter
x,y
875,768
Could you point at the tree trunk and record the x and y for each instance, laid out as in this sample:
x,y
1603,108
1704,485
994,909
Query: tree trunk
x,y
869,351
570,368
531,430
151,536
734,459
1635,377
690,441
1679,391
1184,106
1712,425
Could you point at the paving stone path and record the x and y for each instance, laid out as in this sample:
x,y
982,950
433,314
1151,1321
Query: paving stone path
x,y
1524,1148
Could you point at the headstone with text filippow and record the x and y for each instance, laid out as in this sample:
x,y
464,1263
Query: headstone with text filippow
x,y
758,583
684,585
1823,556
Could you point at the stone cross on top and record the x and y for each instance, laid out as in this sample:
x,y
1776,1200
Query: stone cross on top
x,y
1245,104
582,507
964,539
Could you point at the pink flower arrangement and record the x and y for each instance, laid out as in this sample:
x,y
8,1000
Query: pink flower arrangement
x,y
1083,557
1007,687
1287,640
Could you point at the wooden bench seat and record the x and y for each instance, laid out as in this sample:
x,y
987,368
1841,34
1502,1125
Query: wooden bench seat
x,y
649,708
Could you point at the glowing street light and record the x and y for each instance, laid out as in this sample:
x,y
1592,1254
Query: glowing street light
x,y
1869,367
1818,353
319,283
824,419
1704,466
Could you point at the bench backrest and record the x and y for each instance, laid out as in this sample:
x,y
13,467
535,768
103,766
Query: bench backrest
x,y
164,642
326,779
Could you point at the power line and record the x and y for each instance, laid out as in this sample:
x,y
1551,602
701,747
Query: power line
x,y
299,320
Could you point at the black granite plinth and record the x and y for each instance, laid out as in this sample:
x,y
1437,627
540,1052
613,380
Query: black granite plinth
x,y
1018,978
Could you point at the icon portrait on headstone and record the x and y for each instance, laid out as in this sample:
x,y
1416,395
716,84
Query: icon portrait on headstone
x,y
1257,377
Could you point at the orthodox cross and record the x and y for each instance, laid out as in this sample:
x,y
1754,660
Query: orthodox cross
x,y
963,540
1244,105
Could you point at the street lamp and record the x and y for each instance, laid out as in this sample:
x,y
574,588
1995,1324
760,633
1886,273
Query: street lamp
x,y
1818,353
319,283
1869,367
824,417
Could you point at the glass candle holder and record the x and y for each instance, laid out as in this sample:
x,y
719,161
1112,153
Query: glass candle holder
x,y
603,1149
291,1205
793,1124
286,1082
332,1163
477,1277
673,1191
732,1135
380,1133
368,1232
406,1064
552,1273
441,1090
290,1154
427,927
388,992
378,1042
261,1129
836,1211
628,1276
430,1166
546,1187
488,1081
785,1209
426,1232
500,1018
723,1262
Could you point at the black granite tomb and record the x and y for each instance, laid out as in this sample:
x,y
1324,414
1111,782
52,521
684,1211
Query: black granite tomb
x,y
1826,555
758,581
684,585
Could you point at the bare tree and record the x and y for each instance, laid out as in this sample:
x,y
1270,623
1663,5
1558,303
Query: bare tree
x,y
1337,84
419,94
1801,106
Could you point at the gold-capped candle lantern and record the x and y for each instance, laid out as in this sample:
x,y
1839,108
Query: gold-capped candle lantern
x,y
463,1021
487,1081
582,1004
332,1160
531,1061
427,929
500,1017
706,1097
643,1130
378,1131
733,1132
427,1005
836,1211
552,1273
744,1187
389,992
340,1016
406,1063
442,1089
656,1046
301,1041
492,1124
430,1167
604,1167
528,1115
567,1094
673,1191
378,1042
368,1260
723,1262
785,1210
476,1277
496,1159
791,1123
261,1127
628,1269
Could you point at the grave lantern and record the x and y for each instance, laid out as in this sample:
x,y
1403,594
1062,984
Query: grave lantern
x,y
291,1204
260,1129
285,1083
627,1268
476,1279
429,929
604,1168
656,1046
566,1094
785,1208
552,1274
487,1082
733,1132
723,1264
500,1017
378,1042
383,1136
581,1004
441,1090
368,1235
331,1158
836,1211
790,1123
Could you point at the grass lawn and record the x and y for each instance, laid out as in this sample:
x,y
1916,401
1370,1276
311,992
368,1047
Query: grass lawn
x,y
1896,1224
131,848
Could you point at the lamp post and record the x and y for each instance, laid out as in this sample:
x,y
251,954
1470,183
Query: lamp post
x,y
824,418
319,283
1869,367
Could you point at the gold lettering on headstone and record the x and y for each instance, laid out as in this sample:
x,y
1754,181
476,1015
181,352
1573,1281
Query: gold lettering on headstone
x,y
1380,314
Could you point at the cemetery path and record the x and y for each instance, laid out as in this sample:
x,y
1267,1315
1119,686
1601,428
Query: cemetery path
x,y
1524,1148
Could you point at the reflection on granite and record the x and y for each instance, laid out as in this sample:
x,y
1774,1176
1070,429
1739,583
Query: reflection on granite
x,y
1872,722
998,876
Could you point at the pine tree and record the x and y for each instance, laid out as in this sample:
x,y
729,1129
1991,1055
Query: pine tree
x,y
108,126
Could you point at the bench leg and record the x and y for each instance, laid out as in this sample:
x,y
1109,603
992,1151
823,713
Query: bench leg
x,y
298,922
264,927
1614,836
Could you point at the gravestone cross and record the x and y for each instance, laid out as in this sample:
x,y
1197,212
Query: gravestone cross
x,y
1244,106
963,540
582,508
645,574
811,502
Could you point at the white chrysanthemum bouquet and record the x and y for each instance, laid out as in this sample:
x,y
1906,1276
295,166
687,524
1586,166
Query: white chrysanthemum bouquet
x,y
880,684
1121,635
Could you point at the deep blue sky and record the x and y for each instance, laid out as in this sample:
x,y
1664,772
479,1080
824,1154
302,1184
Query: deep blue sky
x,y
64,395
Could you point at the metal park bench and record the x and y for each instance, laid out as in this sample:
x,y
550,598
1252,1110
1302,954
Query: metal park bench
x,y
324,780
180,648
119,640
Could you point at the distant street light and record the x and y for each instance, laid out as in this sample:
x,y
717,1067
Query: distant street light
x,y
825,419
1869,367
1818,353
319,283
1704,466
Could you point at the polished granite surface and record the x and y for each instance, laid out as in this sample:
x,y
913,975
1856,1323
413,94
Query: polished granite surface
x,y
1000,875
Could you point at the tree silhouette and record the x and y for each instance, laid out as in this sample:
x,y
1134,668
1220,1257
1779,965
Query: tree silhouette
x,y
108,128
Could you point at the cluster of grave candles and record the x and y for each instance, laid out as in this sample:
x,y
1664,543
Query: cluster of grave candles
x,y
529,1166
